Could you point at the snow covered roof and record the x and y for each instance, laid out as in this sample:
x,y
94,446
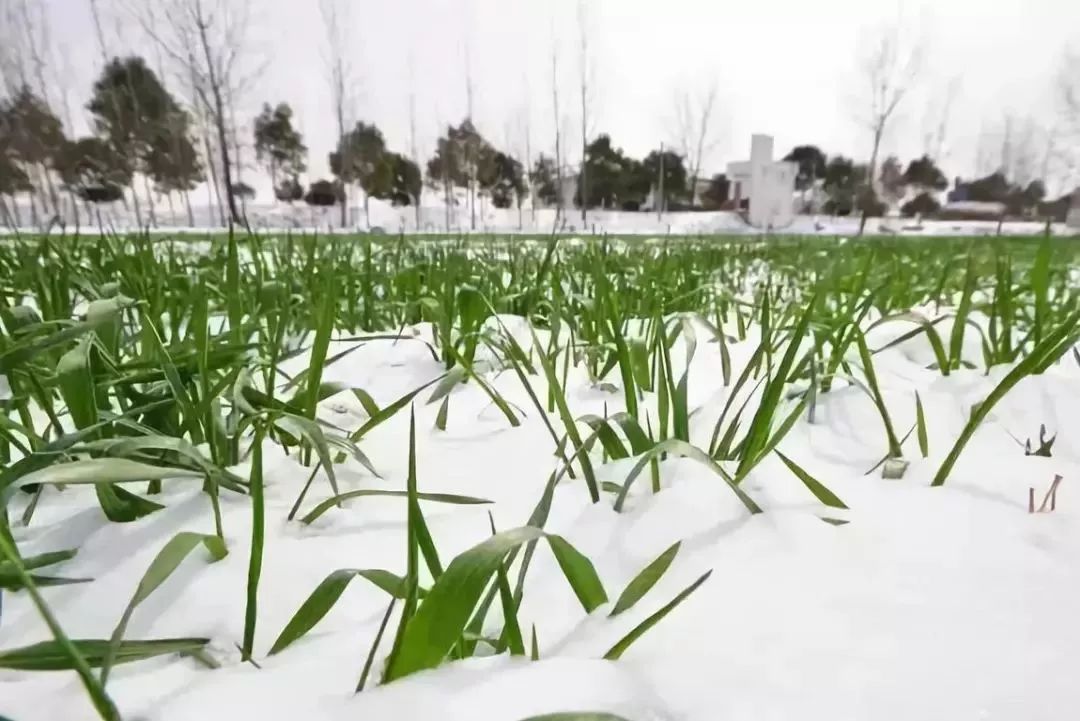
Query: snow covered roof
x,y
975,206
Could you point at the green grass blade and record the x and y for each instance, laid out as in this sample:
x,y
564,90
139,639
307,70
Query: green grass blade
x,y
643,582
920,424
616,651
329,503
441,618
813,485
326,594
167,560
579,573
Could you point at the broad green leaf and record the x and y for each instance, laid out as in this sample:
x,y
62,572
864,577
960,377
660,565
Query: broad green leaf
x,y
679,448
920,422
616,651
167,560
643,582
50,655
101,470
326,594
349,495
579,572
441,618
813,485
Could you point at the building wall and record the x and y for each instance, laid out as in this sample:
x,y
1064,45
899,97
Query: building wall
x,y
772,203
1073,219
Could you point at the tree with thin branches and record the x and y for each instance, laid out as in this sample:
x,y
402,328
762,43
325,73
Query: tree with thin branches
x,y
206,40
889,65
279,147
693,129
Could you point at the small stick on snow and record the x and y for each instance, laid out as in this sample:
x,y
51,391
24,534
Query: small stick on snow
x,y
1051,495
1031,500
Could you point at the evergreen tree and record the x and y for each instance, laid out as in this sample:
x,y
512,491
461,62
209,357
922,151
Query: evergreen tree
x,y
843,182
924,173
674,174
503,178
324,193
91,169
544,180
135,114
173,162
408,182
718,192
289,191
279,146
615,180
892,179
811,163
32,136
361,159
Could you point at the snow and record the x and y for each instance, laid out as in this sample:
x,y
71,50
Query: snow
x,y
433,218
947,604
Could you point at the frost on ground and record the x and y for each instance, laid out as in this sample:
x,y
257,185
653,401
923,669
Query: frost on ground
x,y
948,603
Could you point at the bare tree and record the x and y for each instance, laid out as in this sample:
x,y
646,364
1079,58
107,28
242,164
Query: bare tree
x,y
692,131
583,60
470,162
414,152
336,23
889,67
936,122
38,39
558,123
527,130
1069,107
25,40
206,40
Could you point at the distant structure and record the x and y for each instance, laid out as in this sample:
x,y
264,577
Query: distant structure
x,y
1072,220
569,188
767,184
972,210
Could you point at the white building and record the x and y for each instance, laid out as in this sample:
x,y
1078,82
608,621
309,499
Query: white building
x,y
768,185
1073,219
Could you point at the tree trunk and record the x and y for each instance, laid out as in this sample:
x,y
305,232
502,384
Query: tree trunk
x,y
135,202
446,201
54,198
219,122
149,201
8,220
190,213
583,188
213,188
74,207
871,171
34,220
472,201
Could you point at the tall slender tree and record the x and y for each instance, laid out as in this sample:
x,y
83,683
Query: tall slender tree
x,y
132,111
890,65
278,145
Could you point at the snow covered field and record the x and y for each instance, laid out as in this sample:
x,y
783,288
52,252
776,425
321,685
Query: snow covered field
x,y
435,219
849,596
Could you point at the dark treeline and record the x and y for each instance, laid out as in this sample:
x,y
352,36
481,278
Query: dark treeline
x,y
144,140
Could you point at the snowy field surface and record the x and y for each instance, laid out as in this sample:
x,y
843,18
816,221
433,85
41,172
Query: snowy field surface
x,y
434,218
948,603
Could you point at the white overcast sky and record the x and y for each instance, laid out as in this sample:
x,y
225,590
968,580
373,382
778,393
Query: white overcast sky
x,y
784,67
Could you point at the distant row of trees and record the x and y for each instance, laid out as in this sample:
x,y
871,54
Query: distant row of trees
x,y
142,134
140,131
915,188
